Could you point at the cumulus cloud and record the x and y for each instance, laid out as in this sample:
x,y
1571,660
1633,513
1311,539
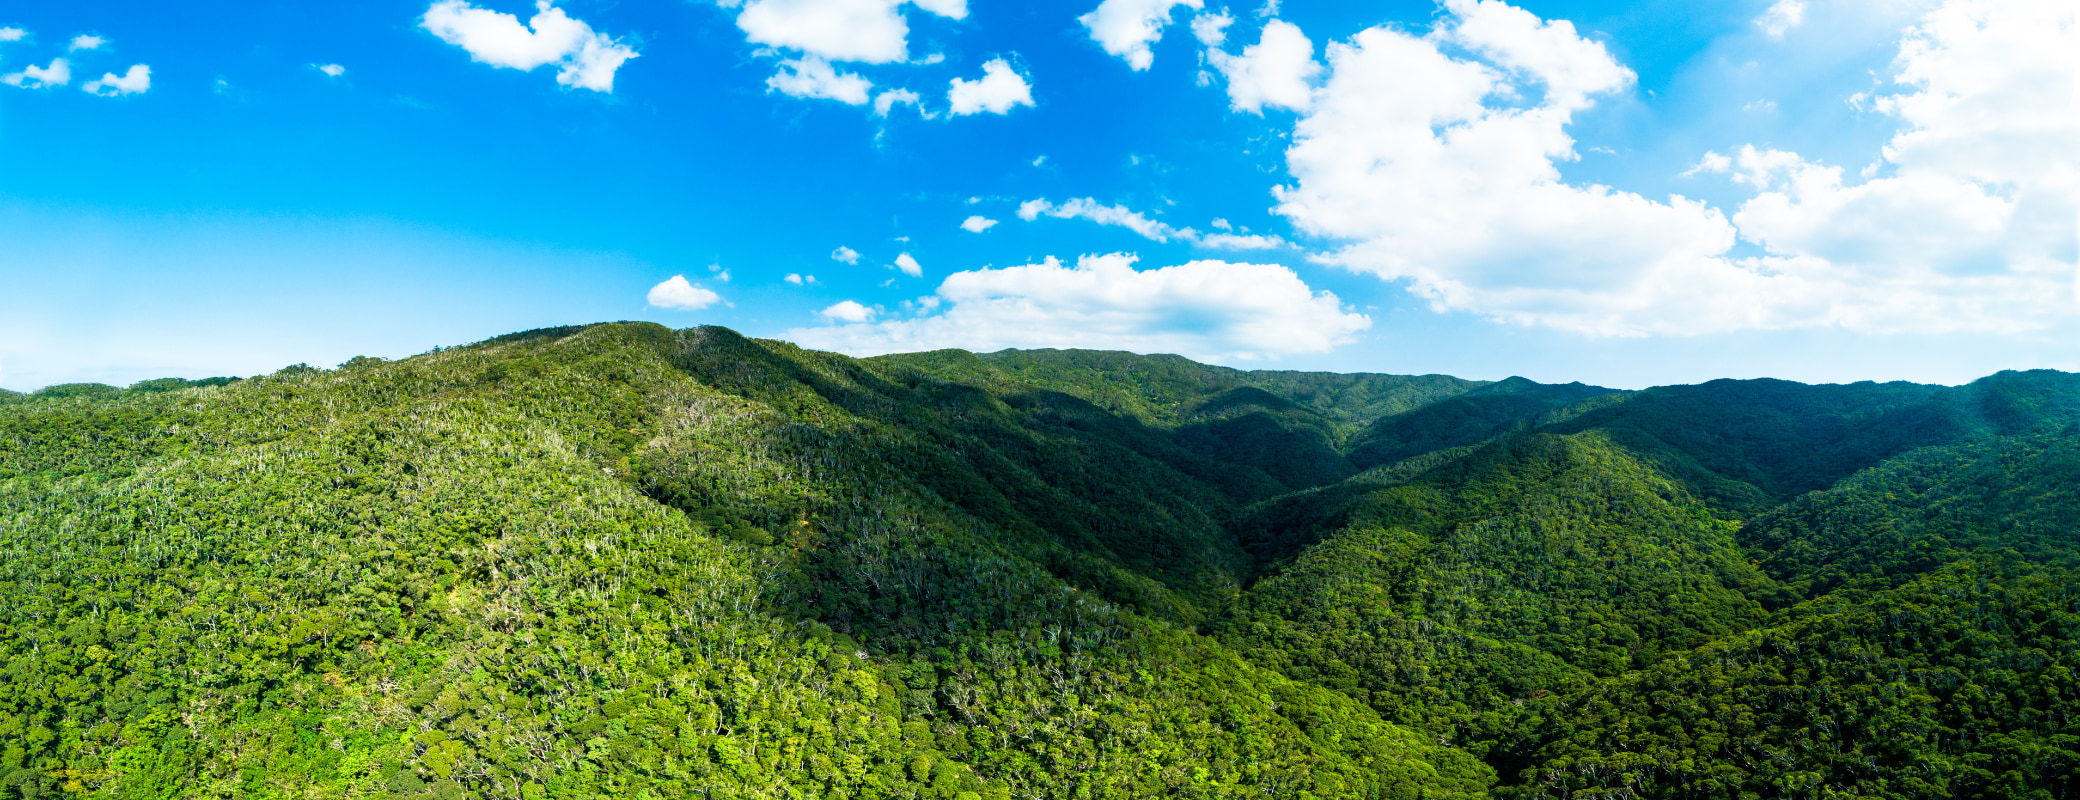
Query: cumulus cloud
x,y
1206,310
845,254
977,224
1401,157
813,77
12,34
909,266
587,60
1432,158
1976,227
330,70
86,42
136,81
866,31
1000,89
681,295
1126,28
58,73
1782,16
847,311
1278,70
800,280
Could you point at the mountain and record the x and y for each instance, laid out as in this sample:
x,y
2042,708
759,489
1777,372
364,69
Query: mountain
x,y
1935,657
620,560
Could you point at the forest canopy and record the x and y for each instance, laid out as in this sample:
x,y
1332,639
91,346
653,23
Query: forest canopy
x,y
621,560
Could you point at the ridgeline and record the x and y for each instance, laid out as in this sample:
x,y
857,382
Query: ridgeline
x,y
623,561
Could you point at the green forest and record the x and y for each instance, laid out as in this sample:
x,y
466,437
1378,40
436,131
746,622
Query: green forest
x,y
625,561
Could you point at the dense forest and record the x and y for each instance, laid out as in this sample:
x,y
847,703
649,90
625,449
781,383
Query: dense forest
x,y
623,561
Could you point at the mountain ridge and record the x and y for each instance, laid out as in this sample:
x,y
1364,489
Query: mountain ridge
x,y
617,559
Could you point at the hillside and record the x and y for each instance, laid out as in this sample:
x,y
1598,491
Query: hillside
x,y
619,560
625,561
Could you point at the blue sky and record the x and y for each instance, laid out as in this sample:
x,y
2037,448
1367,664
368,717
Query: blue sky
x,y
1621,193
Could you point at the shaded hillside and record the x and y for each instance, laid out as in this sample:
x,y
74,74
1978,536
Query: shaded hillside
x,y
1276,431
625,561
1528,567
1942,664
1466,419
1746,445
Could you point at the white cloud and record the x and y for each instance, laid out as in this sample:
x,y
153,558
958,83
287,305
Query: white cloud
x,y
1277,70
813,77
800,280
587,59
1433,158
331,70
1211,27
909,266
977,224
1402,158
847,311
86,42
1710,162
1782,16
888,100
867,31
136,81
1114,215
58,73
1040,160
1000,89
12,34
1126,28
1977,225
845,254
678,294
1232,241
1207,310
1764,106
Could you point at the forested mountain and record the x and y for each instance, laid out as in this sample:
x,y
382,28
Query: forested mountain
x,y
624,561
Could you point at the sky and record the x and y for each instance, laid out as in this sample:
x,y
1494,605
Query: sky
x,y
1622,193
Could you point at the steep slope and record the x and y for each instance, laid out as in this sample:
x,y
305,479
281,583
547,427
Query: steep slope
x,y
1274,432
1467,419
1748,445
1530,566
1940,663
624,561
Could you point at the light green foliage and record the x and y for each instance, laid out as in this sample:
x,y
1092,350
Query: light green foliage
x,y
448,577
624,561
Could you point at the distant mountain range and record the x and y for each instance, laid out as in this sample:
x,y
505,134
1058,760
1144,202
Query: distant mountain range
x,y
624,561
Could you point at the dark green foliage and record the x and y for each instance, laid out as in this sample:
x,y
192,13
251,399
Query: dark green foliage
x,y
1962,683
447,577
71,390
1467,419
1273,432
625,561
1531,566
176,384
1747,445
